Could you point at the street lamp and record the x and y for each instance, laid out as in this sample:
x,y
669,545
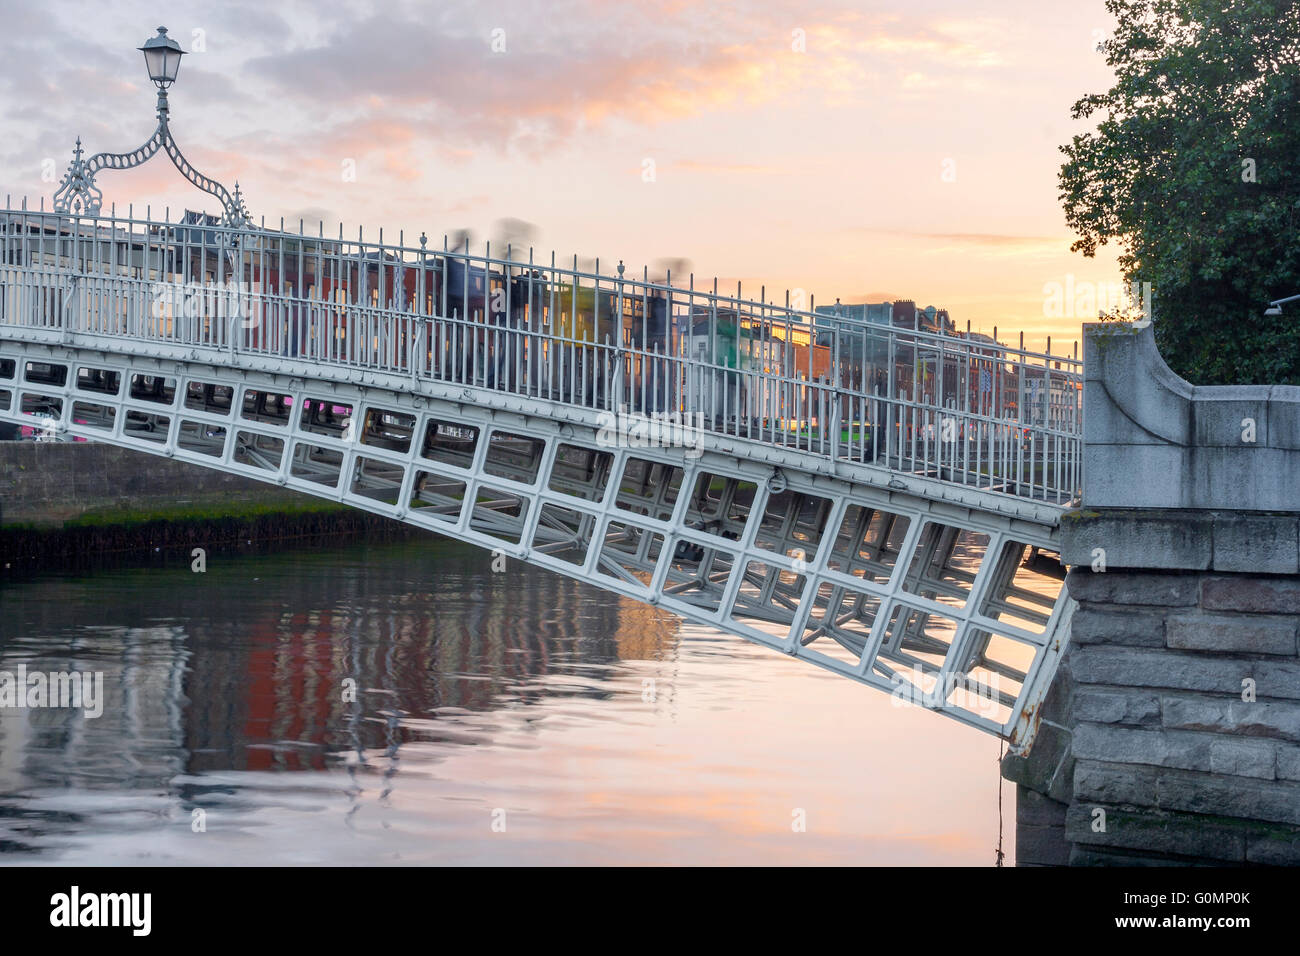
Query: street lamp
x,y
162,56
1275,308
79,195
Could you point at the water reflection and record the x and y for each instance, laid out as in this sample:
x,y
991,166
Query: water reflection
x,y
593,729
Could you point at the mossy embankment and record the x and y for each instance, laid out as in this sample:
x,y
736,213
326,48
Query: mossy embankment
x,y
149,533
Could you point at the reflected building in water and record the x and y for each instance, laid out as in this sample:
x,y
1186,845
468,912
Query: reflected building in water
x,y
327,659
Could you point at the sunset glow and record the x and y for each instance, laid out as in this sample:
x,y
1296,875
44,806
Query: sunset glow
x,y
833,147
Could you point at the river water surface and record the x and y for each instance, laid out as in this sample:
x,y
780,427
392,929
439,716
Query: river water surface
x,y
512,717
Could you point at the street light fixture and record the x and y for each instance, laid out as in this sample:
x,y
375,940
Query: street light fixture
x,y
162,57
78,194
1275,308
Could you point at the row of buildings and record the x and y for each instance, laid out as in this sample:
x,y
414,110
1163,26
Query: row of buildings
x,y
975,372
866,347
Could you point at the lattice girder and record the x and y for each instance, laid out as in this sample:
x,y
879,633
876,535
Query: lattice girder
x,y
944,605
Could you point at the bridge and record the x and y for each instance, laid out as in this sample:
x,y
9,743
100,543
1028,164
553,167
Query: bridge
x,y
883,502
886,502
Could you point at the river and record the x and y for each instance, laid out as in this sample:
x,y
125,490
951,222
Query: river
x,y
511,717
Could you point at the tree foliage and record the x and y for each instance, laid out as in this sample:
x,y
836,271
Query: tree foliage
x,y
1193,170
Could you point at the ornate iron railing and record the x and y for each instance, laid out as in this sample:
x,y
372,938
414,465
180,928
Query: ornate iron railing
x,y
937,403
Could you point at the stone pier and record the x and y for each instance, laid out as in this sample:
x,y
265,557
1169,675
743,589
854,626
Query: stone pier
x,y
1171,734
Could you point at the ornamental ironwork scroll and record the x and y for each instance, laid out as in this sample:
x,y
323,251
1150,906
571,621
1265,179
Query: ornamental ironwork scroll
x,y
79,195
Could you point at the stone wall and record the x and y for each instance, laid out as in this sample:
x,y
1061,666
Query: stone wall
x,y
50,482
1151,440
1171,733
1185,717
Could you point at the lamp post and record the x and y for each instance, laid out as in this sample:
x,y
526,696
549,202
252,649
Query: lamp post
x,y
1275,307
77,193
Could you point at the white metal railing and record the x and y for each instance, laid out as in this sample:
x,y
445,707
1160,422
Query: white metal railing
x,y
967,411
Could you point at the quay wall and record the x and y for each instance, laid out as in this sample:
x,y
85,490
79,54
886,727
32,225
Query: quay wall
x,y
1171,733
48,483
86,504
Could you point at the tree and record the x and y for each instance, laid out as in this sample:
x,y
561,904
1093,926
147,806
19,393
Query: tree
x,y
1194,171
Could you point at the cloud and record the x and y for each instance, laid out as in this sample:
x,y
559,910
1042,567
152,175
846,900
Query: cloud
x,y
538,76
294,90
452,87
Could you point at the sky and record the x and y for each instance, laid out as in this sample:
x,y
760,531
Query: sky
x,y
864,151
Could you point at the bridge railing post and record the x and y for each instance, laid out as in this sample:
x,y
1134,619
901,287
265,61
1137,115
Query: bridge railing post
x,y
233,332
